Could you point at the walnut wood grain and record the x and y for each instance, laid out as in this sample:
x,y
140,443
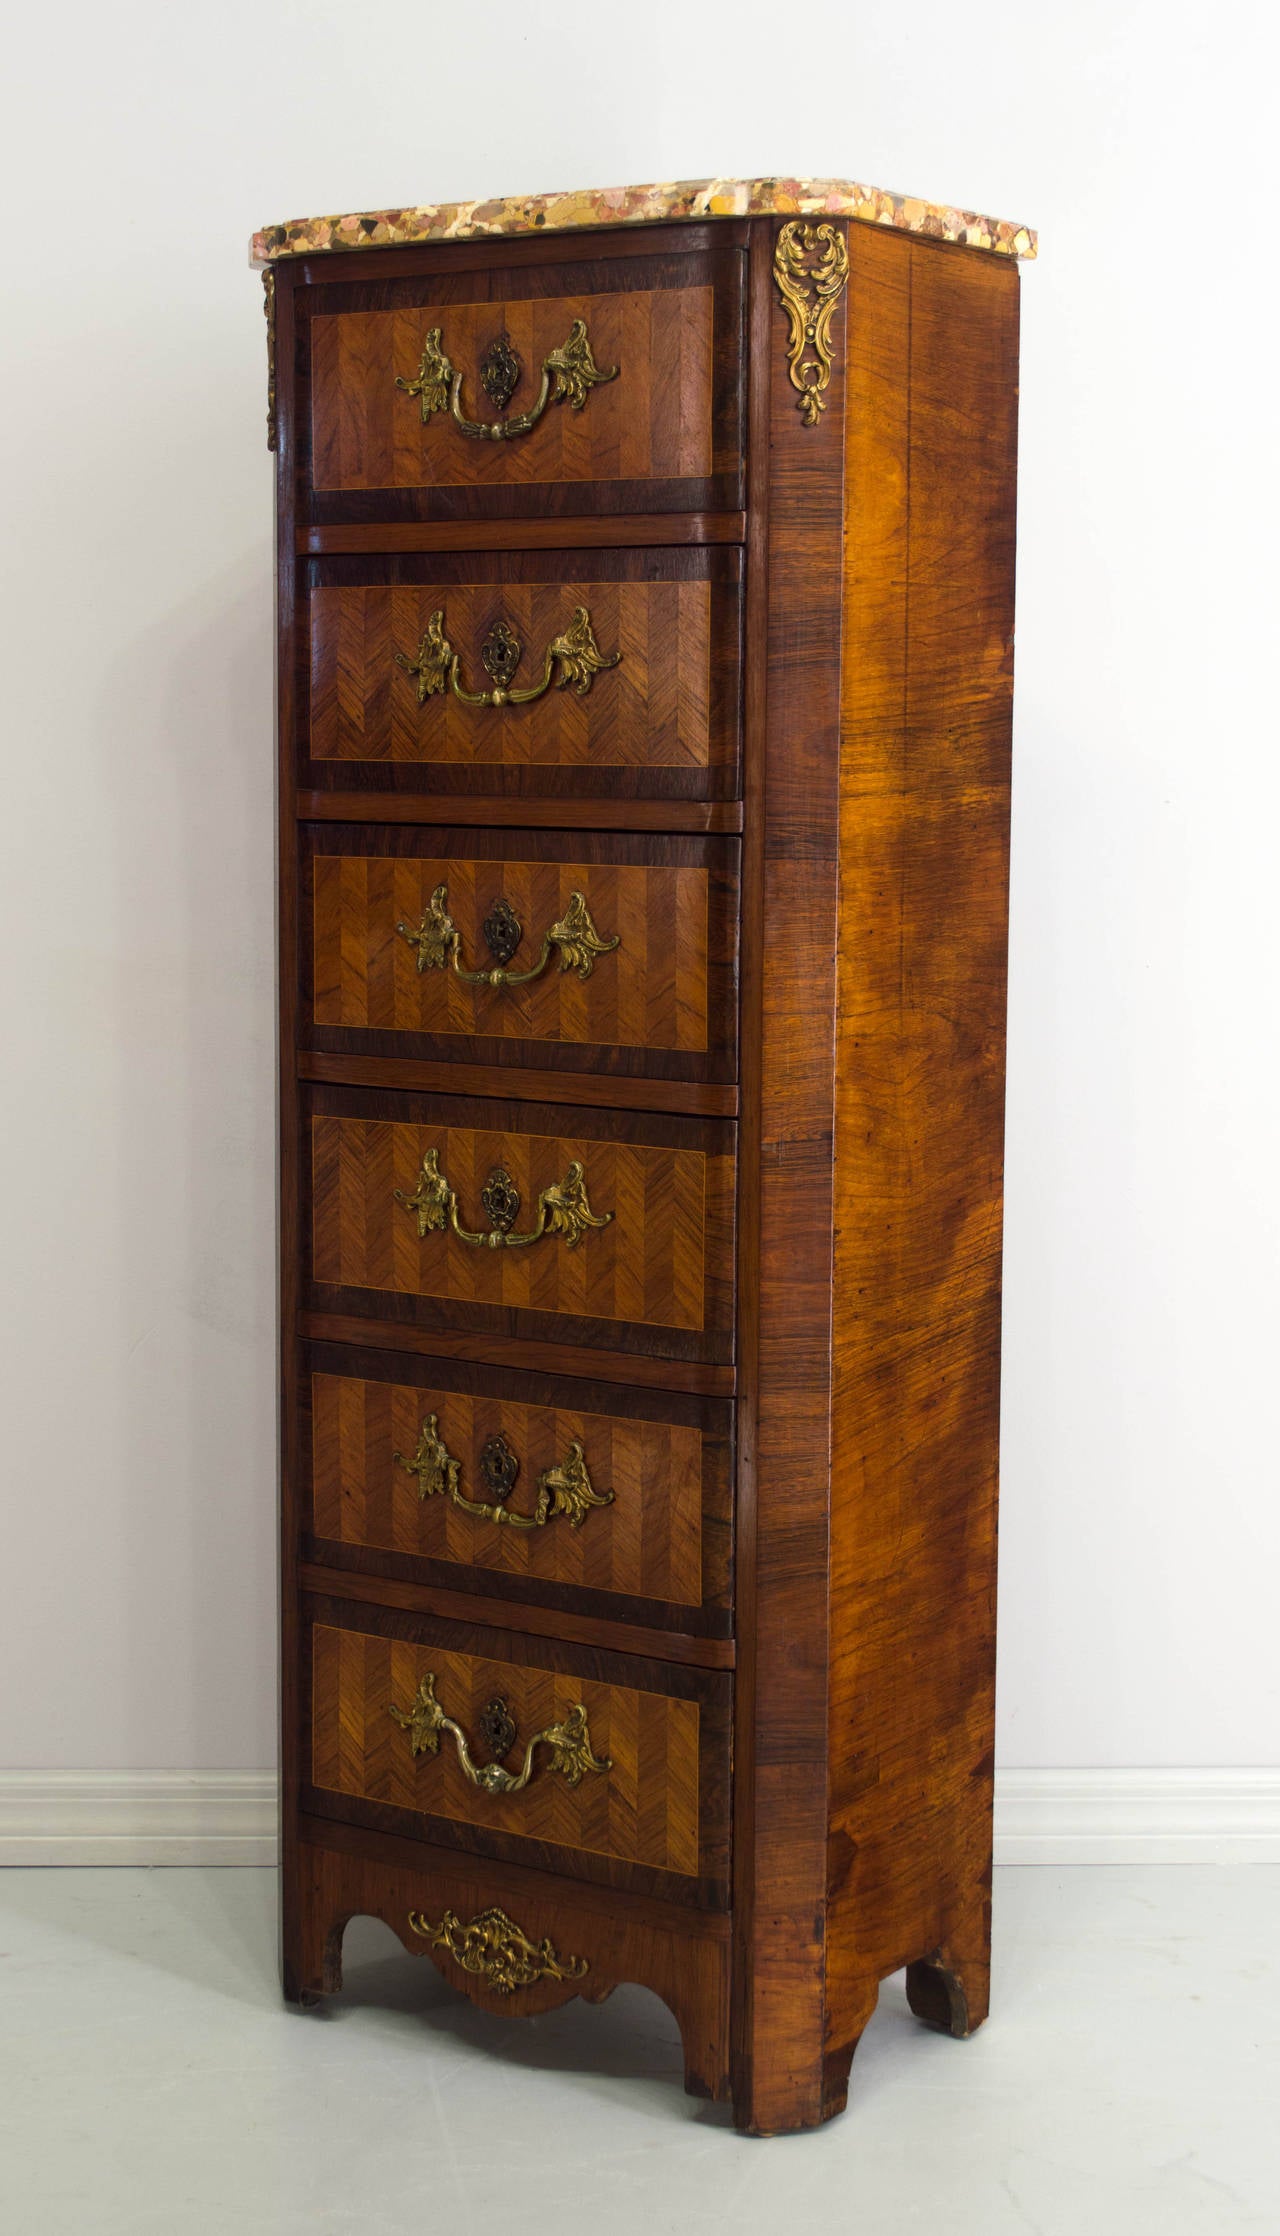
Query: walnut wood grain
x,y
925,719
617,1634
792,781
566,530
601,1090
658,1814
529,813
693,1377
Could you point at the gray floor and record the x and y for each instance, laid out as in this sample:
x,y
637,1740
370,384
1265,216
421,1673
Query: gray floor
x,y
150,2081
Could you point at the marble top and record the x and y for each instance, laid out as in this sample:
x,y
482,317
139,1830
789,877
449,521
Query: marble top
x,y
641,205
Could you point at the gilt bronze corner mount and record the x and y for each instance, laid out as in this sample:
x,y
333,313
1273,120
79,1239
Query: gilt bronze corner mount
x,y
811,267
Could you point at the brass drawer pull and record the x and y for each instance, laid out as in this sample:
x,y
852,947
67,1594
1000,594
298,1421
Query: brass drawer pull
x,y
562,1208
575,653
437,942
570,1742
566,1489
494,1948
568,376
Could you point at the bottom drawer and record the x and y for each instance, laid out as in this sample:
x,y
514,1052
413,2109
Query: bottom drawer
x,y
602,1766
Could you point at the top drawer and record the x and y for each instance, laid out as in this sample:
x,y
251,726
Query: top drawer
x,y
616,382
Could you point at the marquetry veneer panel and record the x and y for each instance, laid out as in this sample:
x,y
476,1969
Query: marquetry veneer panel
x,y
654,422
652,710
662,1267
645,1809
647,1543
662,999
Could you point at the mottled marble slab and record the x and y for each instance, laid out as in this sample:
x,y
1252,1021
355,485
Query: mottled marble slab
x,y
641,205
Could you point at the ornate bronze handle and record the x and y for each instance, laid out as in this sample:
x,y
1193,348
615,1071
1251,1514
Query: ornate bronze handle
x,y
570,1742
497,1951
437,942
566,1489
568,376
562,1208
575,653
811,266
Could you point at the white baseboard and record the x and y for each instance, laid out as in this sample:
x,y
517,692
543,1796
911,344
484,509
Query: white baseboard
x,y
1042,1816
1137,1816
137,1816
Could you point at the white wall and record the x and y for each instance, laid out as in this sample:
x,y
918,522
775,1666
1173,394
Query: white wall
x,y
1141,1526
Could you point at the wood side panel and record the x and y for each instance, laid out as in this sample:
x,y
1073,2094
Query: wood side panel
x,y
659,1275
927,682
646,1544
657,1818
793,787
600,1939
661,1001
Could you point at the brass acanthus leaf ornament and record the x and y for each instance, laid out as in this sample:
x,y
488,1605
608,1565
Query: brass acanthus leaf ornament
x,y
811,266
494,1949
436,1469
566,1207
432,1200
435,939
574,371
578,653
568,1490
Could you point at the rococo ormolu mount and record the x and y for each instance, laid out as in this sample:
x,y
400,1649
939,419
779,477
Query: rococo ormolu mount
x,y
645,675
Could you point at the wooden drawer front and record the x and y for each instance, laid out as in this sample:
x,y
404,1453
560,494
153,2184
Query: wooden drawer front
x,y
657,1814
666,708
657,1552
378,979
657,1278
660,431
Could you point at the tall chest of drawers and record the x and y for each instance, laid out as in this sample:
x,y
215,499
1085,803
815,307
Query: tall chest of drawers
x,y
645,571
